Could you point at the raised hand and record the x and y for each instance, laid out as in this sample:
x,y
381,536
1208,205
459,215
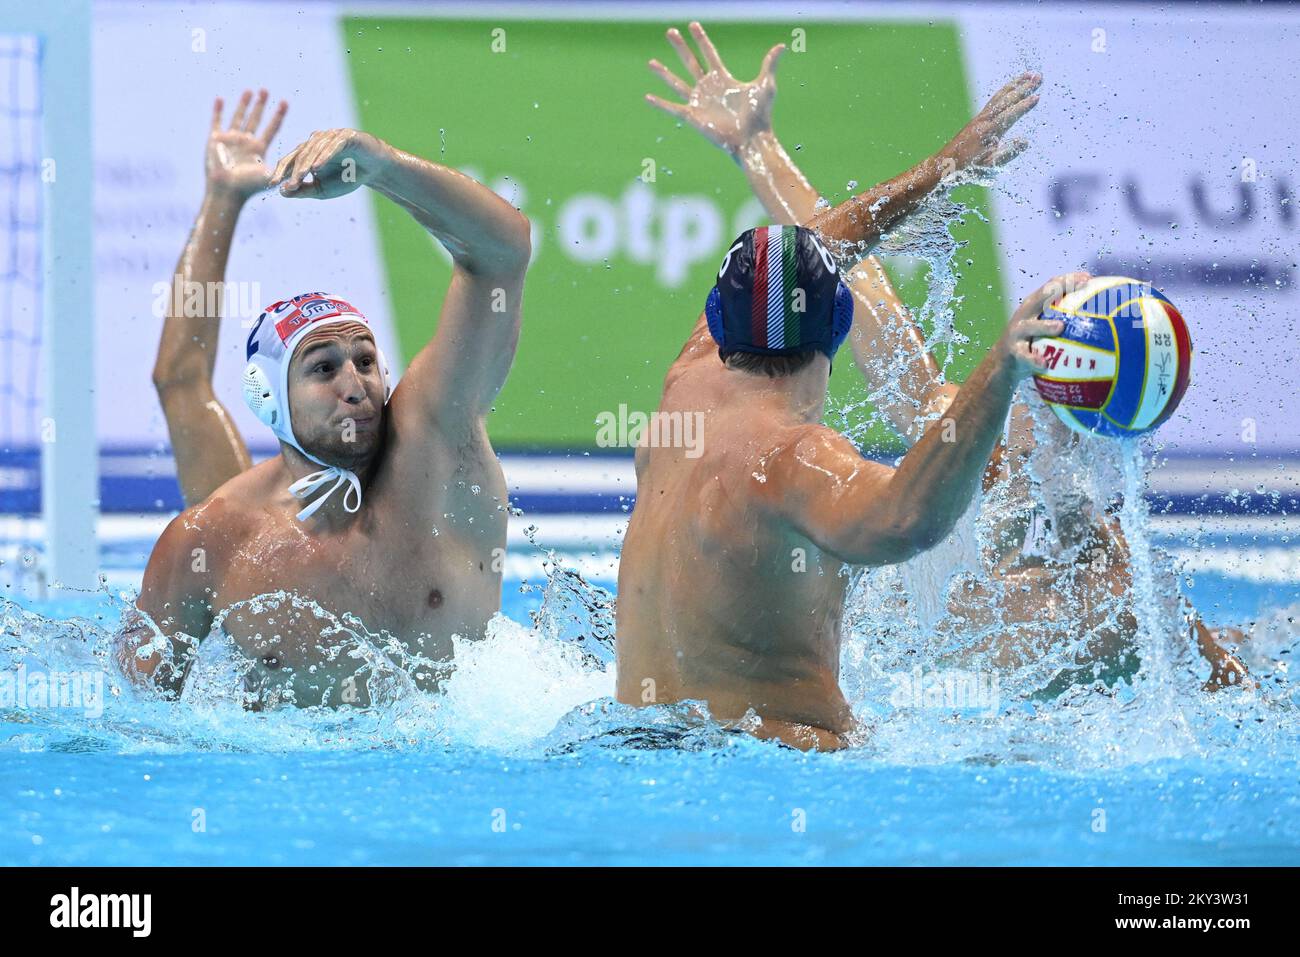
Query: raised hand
x,y
234,160
1027,323
980,141
338,160
726,110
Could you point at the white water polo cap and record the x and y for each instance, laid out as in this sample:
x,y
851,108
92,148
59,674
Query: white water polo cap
x,y
271,344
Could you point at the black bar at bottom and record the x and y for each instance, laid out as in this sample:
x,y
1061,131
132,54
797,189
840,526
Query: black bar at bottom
x,y
338,906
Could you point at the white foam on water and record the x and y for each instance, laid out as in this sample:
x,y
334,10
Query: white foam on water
x,y
511,688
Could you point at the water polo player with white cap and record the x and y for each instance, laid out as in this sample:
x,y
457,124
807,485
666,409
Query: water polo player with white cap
x,y
374,536
281,330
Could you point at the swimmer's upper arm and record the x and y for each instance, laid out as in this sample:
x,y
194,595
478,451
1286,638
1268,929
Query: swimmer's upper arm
x,y
173,599
843,503
208,448
457,375
454,379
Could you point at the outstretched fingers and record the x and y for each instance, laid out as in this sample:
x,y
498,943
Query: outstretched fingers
x,y
707,48
771,62
273,125
255,117
1008,117
237,121
684,52
679,110
671,78
1013,90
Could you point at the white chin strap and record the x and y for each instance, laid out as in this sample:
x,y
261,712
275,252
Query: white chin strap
x,y
309,484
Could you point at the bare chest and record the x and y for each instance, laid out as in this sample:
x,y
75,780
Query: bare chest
x,y
305,602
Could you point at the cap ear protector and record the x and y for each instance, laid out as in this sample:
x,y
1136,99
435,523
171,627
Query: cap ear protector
x,y
713,313
841,317
259,394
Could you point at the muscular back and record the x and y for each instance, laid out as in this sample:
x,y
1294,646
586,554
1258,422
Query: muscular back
x,y
719,597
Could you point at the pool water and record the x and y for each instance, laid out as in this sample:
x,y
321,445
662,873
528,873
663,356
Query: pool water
x,y
744,804
525,760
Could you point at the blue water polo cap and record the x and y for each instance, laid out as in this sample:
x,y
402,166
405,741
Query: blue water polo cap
x,y
778,293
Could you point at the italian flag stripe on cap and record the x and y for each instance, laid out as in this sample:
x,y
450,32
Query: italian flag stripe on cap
x,y
758,296
777,280
793,327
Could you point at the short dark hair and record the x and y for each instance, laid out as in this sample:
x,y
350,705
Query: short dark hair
x,y
771,366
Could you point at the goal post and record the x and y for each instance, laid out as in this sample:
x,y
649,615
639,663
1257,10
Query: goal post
x,y
65,432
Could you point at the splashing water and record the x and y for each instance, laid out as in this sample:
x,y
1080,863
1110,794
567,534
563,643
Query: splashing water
x,y
981,651
925,236
937,662
506,691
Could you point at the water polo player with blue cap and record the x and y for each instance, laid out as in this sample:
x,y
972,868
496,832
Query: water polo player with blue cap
x,y
731,586
373,538
1048,527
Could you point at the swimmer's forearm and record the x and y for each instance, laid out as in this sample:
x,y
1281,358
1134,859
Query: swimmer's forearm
x,y
779,184
860,220
483,233
188,345
883,328
938,478
936,481
207,446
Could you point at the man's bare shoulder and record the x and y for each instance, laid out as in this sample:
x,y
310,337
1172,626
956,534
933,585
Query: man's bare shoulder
x,y
762,463
209,523
235,506
808,443
697,353
812,456
196,531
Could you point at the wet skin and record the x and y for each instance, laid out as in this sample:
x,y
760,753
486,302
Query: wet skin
x,y
1016,596
710,607
418,563
730,581
384,565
